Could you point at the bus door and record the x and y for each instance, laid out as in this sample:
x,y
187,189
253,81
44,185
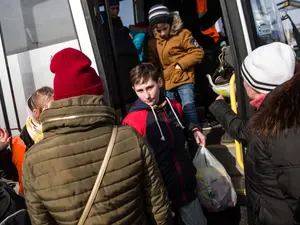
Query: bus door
x,y
103,42
117,52
5,82
32,32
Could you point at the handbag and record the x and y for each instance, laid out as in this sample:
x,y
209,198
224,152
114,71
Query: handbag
x,y
99,179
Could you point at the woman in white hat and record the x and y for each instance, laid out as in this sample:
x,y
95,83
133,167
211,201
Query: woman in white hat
x,y
272,162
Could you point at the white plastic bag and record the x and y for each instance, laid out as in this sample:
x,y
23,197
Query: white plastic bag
x,y
214,187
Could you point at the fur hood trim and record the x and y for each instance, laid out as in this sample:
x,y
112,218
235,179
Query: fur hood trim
x,y
176,25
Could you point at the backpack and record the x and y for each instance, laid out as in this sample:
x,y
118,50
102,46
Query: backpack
x,y
12,207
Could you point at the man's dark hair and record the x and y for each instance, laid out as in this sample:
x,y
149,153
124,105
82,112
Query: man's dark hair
x,y
143,72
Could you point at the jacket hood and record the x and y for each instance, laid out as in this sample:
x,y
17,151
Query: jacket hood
x,y
163,101
140,105
176,25
77,113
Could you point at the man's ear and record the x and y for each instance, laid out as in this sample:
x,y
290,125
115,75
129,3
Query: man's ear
x,y
160,82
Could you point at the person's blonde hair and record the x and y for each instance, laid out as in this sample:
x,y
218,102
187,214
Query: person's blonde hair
x,y
39,97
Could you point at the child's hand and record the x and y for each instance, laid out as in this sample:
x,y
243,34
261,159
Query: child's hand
x,y
4,139
220,97
177,67
199,137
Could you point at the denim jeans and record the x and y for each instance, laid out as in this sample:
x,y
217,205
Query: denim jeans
x,y
185,93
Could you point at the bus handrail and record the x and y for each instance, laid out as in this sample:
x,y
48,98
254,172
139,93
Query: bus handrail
x,y
238,145
11,90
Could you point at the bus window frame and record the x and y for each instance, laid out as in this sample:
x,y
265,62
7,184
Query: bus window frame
x,y
91,14
87,38
2,97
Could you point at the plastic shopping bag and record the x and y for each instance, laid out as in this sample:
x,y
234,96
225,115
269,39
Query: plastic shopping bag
x,y
214,187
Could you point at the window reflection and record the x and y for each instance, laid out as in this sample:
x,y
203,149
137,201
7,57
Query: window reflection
x,y
31,24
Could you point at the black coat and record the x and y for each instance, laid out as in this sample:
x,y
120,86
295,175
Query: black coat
x,y
24,135
174,162
127,56
272,169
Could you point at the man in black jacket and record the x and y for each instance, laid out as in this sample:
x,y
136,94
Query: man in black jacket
x,y
265,69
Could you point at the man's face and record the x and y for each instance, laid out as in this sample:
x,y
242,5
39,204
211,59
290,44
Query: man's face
x,y
114,10
163,29
149,91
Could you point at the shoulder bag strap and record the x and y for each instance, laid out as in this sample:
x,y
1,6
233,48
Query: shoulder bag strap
x,y
99,179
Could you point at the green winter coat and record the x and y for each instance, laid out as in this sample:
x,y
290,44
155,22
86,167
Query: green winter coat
x,y
59,172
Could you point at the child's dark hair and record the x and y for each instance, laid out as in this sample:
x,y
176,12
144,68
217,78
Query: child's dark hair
x,y
34,101
143,72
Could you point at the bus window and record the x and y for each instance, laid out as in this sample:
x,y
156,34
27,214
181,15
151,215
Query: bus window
x,y
33,31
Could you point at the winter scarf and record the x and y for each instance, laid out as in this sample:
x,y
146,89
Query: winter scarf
x,y
34,129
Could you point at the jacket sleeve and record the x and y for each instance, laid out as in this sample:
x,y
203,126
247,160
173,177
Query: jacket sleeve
x,y
152,54
136,120
3,146
156,200
195,52
231,122
18,154
37,211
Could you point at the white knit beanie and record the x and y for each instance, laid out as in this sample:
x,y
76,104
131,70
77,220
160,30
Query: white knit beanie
x,y
269,66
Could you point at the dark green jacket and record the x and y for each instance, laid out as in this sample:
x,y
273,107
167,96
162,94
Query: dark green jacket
x,y
59,172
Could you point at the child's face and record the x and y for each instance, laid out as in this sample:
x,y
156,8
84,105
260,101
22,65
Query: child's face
x,y
149,91
163,29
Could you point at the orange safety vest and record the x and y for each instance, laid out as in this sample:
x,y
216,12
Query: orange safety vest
x,y
212,31
18,155
201,6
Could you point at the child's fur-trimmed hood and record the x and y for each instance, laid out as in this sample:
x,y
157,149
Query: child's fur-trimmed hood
x,y
176,25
